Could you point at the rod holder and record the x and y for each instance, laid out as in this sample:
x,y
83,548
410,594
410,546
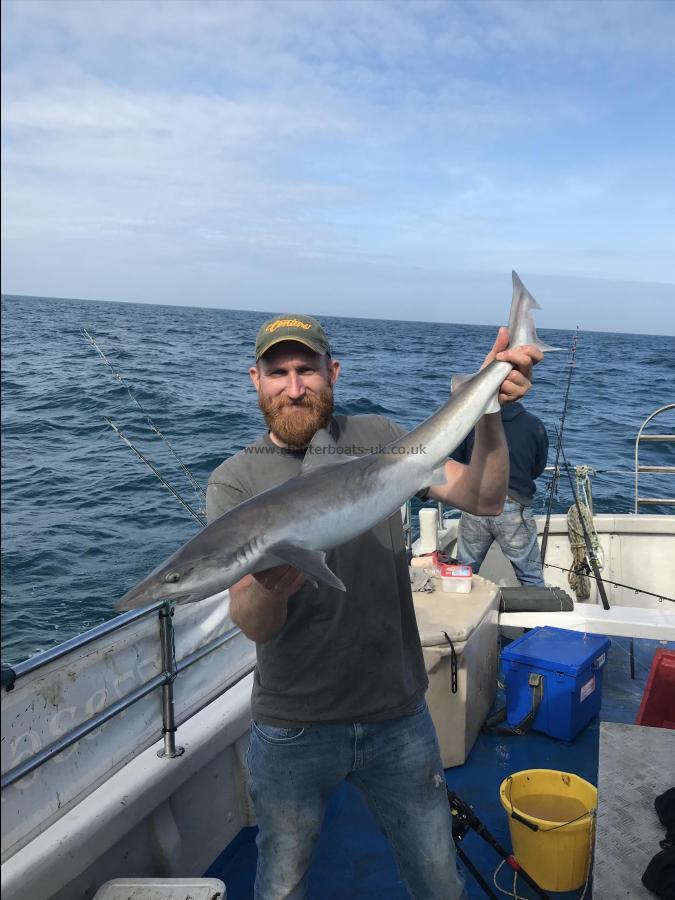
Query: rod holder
x,y
170,750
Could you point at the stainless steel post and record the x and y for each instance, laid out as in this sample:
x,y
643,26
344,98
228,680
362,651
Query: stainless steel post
x,y
169,666
407,525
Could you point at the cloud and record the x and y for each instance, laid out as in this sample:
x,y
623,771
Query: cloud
x,y
260,136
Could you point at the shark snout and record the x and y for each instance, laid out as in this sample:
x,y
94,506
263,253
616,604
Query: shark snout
x,y
145,594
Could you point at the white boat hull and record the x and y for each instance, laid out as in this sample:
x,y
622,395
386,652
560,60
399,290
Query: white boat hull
x,y
638,551
156,817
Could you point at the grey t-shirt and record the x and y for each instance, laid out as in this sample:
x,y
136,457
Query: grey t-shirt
x,y
340,657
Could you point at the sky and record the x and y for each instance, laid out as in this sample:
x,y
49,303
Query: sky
x,y
372,158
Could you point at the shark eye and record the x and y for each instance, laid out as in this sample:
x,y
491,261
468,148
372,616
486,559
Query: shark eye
x,y
172,577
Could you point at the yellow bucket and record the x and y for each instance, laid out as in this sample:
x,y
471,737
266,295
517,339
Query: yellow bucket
x,y
557,855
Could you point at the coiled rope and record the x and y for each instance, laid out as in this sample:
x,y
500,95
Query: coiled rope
x,y
579,571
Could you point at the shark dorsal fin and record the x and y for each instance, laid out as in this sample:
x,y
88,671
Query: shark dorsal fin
x,y
323,451
459,381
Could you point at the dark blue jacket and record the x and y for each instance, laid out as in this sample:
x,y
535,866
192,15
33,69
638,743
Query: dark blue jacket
x,y
528,450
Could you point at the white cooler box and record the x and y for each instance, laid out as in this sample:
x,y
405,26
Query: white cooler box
x,y
471,623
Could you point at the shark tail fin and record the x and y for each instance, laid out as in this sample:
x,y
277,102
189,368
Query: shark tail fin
x,y
522,329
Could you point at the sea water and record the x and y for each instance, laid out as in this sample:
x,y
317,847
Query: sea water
x,y
83,519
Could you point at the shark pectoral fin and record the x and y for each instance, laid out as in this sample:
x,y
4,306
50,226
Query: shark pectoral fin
x,y
323,451
311,562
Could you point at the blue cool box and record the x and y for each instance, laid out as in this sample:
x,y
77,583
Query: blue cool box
x,y
570,664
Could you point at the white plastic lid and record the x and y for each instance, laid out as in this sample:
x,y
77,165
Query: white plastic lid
x,y
162,889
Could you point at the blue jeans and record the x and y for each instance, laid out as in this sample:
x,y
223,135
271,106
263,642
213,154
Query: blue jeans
x,y
398,767
516,533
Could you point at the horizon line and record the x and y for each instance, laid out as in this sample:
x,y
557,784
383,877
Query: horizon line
x,y
7,296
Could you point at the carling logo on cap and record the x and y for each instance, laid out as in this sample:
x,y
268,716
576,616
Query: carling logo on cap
x,y
288,323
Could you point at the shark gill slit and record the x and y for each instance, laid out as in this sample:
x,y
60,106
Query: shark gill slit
x,y
248,552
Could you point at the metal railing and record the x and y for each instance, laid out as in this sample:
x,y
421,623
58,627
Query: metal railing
x,y
407,516
81,640
170,671
660,470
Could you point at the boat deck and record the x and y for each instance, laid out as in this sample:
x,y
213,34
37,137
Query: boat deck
x,y
637,763
353,860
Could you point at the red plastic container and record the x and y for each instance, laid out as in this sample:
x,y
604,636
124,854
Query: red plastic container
x,y
658,701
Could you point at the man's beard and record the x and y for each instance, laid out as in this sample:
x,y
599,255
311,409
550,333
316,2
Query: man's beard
x,y
295,422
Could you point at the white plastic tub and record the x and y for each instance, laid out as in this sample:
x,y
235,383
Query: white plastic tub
x,y
455,579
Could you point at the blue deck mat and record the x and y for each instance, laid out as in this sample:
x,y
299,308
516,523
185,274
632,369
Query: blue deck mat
x,y
353,860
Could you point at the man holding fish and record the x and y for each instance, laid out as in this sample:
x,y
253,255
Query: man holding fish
x,y
340,681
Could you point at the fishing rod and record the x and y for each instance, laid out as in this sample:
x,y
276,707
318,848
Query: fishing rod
x,y
120,380
628,587
587,539
155,470
553,487
464,818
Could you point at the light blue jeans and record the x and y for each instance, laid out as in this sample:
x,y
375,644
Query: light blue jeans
x,y
516,533
398,767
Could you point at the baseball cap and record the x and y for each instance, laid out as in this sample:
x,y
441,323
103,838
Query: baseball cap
x,y
290,327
